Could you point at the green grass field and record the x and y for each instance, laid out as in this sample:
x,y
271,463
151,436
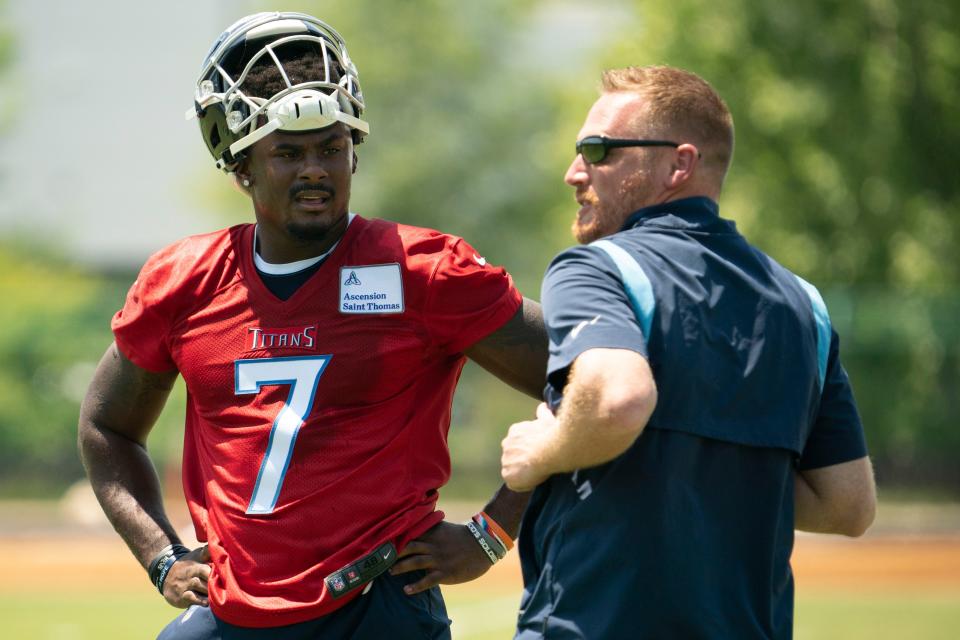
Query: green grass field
x,y
478,614
849,616
900,582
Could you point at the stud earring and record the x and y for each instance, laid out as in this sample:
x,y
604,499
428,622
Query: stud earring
x,y
246,182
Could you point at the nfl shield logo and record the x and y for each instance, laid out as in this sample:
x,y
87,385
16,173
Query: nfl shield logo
x,y
337,583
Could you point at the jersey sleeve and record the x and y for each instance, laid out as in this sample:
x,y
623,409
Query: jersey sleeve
x,y
467,298
586,307
837,434
143,326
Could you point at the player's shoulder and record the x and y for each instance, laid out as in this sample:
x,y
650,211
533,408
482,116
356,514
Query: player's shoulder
x,y
195,261
418,247
202,246
411,237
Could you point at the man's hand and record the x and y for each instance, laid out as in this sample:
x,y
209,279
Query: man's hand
x,y
449,554
522,463
186,584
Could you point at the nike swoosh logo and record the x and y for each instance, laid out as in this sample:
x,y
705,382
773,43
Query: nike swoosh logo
x,y
480,261
580,327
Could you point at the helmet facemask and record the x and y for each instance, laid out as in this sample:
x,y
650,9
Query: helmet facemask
x,y
275,71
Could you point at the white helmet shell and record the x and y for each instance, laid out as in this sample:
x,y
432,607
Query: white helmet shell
x,y
231,119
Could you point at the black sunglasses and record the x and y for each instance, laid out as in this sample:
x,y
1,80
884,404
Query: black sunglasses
x,y
594,148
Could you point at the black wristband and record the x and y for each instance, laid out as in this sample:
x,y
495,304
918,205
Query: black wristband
x,y
486,542
161,563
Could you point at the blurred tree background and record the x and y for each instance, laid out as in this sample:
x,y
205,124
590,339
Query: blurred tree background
x,y
844,171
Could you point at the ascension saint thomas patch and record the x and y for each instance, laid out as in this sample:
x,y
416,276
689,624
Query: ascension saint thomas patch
x,y
376,288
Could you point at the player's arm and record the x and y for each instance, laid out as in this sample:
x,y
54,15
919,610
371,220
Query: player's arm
x,y
608,399
118,412
449,553
517,351
840,498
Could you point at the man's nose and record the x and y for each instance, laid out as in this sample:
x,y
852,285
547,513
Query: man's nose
x,y
314,166
576,172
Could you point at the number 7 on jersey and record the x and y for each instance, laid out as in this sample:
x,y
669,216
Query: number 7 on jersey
x,y
302,374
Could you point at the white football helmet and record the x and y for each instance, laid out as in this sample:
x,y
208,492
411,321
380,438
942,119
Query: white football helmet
x,y
232,118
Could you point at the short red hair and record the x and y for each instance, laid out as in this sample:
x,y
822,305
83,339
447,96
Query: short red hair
x,y
680,105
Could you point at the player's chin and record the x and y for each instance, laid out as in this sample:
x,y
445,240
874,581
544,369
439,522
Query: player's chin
x,y
312,230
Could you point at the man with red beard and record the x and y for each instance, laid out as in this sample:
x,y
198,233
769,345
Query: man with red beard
x,y
696,412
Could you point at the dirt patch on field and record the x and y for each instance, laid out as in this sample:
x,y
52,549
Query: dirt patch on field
x,y
96,561
71,546
882,562
878,562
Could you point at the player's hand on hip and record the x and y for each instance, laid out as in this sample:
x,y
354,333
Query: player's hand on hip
x,y
447,552
186,583
523,465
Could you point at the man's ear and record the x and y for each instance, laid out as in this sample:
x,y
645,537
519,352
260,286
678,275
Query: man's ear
x,y
685,160
242,175
242,181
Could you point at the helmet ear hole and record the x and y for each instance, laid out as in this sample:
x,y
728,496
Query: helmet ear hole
x,y
215,137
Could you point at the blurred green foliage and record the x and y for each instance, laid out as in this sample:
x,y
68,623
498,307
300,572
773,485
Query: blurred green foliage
x,y
846,140
56,320
844,172
52,315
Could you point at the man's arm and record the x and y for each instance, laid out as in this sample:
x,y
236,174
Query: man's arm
x,y
840,498
834,490
517,351
121,406
609,397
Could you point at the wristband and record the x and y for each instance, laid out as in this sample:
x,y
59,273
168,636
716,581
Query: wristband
x,y
490,525
160,565
495,543
486,542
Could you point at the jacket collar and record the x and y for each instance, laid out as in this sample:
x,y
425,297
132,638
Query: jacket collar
x,y
697,211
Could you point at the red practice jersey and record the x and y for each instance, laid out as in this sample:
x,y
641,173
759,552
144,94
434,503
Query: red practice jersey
x,y
316,427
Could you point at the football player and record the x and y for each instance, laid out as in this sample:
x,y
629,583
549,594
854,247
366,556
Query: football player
x,y
320,351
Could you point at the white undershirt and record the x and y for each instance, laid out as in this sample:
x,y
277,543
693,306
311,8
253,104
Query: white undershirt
x,y
287,268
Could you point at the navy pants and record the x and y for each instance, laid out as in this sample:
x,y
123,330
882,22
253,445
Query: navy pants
x,y
385,611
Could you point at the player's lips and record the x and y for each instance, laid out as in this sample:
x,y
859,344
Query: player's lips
x,y
311,198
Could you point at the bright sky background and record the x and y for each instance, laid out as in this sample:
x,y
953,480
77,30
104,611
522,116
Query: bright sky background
x,y
97,157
